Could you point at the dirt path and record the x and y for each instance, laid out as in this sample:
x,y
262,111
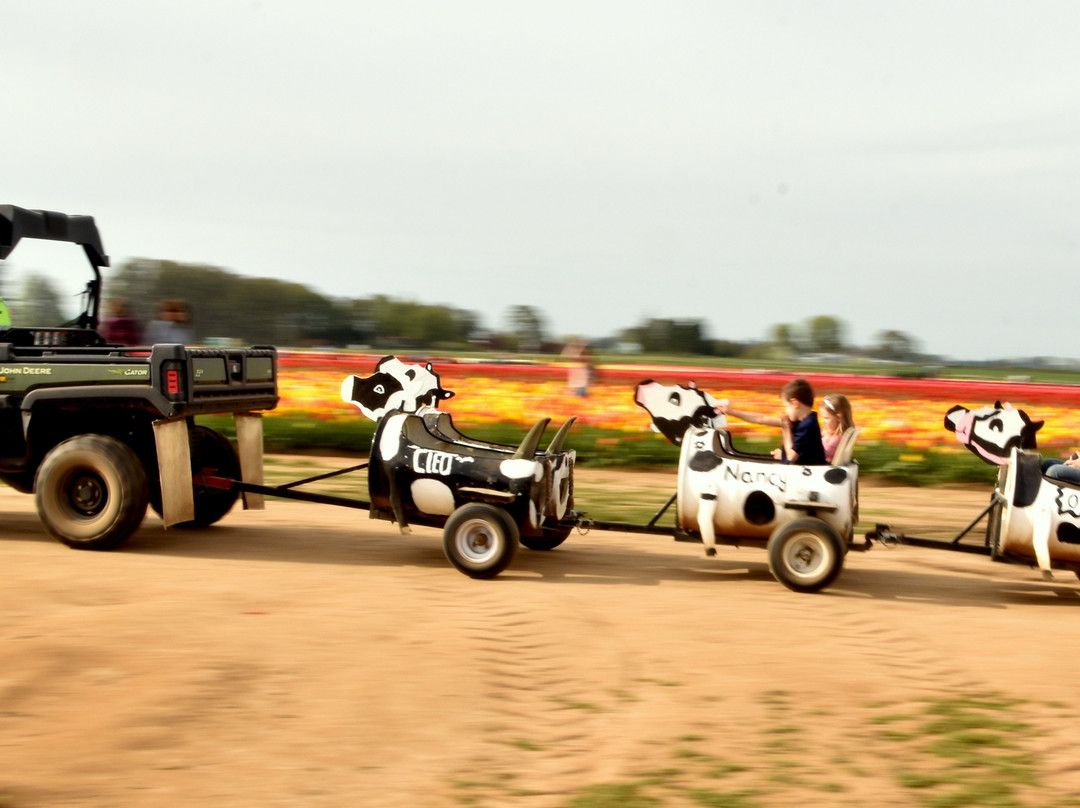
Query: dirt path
x,y
305,655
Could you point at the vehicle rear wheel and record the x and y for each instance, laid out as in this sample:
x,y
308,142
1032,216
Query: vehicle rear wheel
x,y
805,555
91,492
480,540
549,539
211,453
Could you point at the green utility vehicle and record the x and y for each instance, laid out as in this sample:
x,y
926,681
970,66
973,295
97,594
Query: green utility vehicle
x,y
98,432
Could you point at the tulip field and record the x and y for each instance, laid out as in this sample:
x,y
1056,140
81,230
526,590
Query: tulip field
x,y
903,434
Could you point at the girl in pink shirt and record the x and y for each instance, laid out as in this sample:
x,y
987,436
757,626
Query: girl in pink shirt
x,y
836,412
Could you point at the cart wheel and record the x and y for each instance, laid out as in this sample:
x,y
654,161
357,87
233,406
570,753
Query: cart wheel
x,y
480,539
91,492
805,555
210,451
551,538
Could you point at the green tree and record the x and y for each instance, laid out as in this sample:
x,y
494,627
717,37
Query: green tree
x,y
825,334
662,335
38,303
895,346
526,326
782,335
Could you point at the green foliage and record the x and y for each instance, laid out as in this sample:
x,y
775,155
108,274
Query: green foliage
x,y
527,328
683,337
37,304
264,311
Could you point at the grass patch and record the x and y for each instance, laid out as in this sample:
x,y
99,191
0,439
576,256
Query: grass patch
x,y
940,753
613,795
722,799
586,706
721,769
525,746
965,751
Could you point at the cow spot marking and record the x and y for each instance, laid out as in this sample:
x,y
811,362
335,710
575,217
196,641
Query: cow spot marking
x,y
520,469
390,442
704,461
835,475
432,496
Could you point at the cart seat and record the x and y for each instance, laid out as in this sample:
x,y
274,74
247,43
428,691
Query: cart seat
x,y
845,449
439,434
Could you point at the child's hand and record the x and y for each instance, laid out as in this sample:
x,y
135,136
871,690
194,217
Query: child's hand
x,y
777,454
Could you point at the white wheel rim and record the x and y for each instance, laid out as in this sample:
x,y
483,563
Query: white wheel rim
x,y
807,555
477,541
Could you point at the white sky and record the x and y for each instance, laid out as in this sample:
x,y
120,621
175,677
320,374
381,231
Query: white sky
x,y
909,166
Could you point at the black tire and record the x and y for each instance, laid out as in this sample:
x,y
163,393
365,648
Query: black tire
x,y
212,453
91,492
805,555
551,538
480,540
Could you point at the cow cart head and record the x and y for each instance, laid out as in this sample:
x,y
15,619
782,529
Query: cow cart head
x,y
674,408
394,386
991,433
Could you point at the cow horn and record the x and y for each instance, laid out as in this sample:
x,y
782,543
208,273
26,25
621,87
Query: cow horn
x,y
560,437
527,449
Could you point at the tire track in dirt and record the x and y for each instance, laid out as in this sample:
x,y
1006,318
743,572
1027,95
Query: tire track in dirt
x,y
539,718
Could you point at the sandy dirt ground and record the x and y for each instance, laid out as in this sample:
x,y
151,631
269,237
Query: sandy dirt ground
x,y
306,655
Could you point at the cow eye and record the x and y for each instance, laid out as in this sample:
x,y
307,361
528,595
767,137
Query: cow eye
x,y
380,389
996,425
675,399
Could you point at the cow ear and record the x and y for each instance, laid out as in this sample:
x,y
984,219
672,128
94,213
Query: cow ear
x,y
953,415
427,366
1007,406
446,393
692,385
997,405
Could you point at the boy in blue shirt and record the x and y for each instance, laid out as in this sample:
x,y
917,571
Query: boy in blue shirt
x,y
799,424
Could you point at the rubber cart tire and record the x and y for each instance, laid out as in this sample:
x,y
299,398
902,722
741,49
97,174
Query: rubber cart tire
x,y
480,540
805,555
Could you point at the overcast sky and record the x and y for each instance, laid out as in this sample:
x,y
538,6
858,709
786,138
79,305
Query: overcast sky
x,y
909,166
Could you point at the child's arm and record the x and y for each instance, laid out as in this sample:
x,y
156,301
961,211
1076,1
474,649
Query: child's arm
x,y
749,417
789,442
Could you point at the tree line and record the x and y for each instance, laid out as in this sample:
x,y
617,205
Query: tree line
x,y
264,311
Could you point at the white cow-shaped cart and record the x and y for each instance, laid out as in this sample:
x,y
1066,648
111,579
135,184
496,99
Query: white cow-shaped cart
x,y
804,516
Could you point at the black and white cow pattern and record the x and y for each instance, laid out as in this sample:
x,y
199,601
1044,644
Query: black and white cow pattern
x,y
394,386
725,494
674,408
992,432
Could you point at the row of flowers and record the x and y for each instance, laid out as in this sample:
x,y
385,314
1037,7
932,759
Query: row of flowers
x,y
902,413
